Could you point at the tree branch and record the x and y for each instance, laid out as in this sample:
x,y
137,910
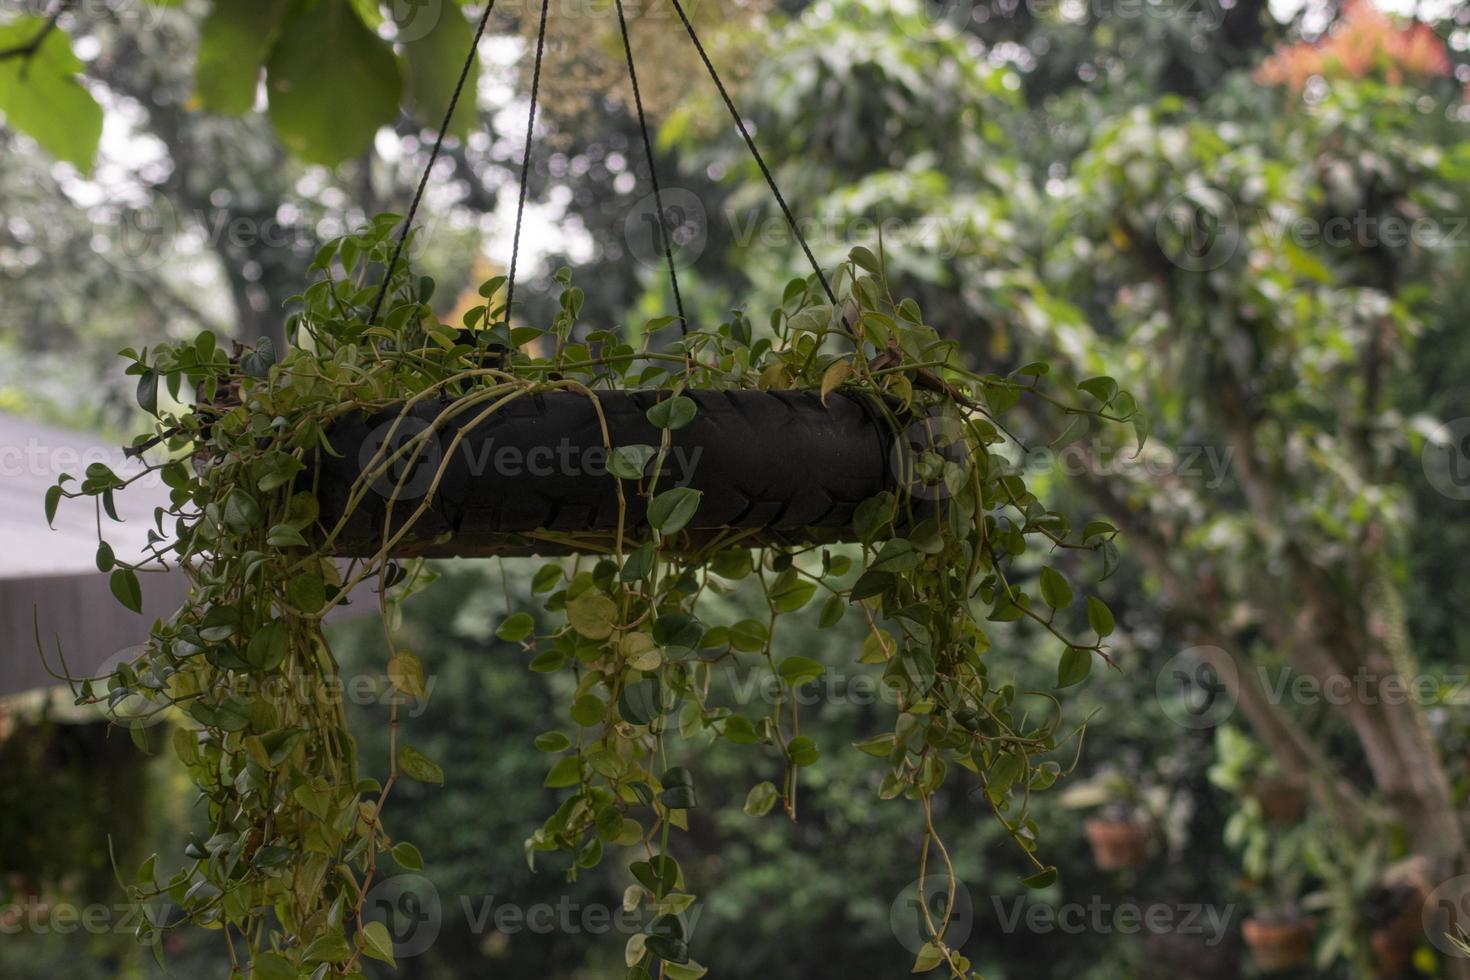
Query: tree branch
x,y
29,48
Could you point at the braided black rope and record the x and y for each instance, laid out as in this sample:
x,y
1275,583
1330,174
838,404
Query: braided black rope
x,y
755,152
515,247
413,208
658,200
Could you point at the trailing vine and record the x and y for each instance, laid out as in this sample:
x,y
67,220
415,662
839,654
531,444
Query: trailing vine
x,y
297,833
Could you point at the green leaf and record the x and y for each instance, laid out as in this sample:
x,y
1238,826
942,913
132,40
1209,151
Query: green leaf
x,y
125,588
553,742
280,744
672,413
796,671
749,635
566,772
803,751
1056,591
866,260
671,510
431,67
408,856
641,703
285,536
790,593
1101,388
593,615
233,43
1075,665
332,83
53,500
241,512
307,592
1099,616
267,648
628,462
930,956
516,627
377,943
761,798
1044,878
588,710
41,97
739,730
272,966
415,765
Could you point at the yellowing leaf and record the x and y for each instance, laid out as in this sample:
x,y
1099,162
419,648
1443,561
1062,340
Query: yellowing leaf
x,y
832,378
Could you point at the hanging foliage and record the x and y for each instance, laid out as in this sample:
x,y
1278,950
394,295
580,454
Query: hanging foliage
x,y
297,818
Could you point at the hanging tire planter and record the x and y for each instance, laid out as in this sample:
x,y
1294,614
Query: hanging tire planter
x,y
771,467
693,467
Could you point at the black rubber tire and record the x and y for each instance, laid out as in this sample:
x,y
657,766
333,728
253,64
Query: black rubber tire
x,y
778,461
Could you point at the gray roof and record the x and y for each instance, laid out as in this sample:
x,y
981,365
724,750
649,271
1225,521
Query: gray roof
x,y
49,578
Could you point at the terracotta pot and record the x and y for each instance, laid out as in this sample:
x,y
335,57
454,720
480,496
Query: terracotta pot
x,y
1283,800
1393,942
1278,945
1117,844
1393,955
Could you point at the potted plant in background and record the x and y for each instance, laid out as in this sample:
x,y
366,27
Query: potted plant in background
x,y
1247,772
1279,933
1124,823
